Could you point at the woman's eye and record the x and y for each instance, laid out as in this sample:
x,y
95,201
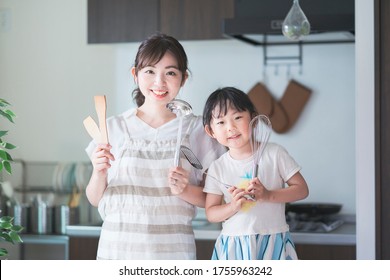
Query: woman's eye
x,y
171,73
220,123
238,117
149,71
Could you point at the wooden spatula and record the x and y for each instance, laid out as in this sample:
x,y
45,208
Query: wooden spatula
x,y
100,105
92,129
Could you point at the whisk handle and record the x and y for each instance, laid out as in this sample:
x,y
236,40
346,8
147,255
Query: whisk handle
x,y
255,170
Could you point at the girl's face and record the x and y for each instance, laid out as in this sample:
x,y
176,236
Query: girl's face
x,y
160,83
232,130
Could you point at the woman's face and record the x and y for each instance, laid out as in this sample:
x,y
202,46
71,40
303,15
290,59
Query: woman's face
x,y
160,83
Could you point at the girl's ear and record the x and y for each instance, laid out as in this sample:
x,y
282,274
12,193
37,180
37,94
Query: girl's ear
x,y
209,131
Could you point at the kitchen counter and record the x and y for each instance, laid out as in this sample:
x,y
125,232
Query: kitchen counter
x,y
344,235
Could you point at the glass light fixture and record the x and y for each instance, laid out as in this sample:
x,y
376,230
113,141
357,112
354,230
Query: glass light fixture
x,y
295,25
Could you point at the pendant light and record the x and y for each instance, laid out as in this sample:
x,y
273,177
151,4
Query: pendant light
x,y
295,25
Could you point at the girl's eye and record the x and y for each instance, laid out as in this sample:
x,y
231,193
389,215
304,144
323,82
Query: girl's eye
x,y
238,117
219,123
149,71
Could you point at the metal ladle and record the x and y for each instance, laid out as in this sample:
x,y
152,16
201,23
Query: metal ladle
x,y
180,108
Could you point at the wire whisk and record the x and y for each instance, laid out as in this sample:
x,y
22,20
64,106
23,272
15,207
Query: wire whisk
x,y
260,128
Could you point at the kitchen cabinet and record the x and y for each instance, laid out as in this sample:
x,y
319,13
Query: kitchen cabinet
x,y
134,20
325,252
83,248
305,251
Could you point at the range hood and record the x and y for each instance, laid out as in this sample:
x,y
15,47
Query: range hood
x,y
259,22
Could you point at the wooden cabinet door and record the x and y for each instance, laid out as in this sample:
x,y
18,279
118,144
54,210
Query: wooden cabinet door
x,y
122,20
195,20
134,20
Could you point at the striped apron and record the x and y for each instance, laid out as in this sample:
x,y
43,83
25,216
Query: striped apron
x,y
141,218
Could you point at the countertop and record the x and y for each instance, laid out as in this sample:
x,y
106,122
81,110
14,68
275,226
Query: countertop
x,y
344,235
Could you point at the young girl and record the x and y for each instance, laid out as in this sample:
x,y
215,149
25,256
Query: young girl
x,y
146,203
251,229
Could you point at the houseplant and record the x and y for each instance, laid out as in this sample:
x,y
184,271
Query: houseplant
x,y
8,231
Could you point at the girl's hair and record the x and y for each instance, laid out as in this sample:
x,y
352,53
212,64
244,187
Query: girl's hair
x,y
224,98
151,51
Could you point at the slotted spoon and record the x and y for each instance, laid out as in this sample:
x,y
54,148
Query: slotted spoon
x,y
194,161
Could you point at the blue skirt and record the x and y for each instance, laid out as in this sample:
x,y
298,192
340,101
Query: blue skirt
x,y
255,247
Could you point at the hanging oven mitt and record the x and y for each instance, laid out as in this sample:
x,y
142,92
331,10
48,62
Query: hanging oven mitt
x,y
293,101
266,104
99,134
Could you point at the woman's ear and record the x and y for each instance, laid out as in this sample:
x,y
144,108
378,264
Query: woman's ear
x,y
134,75
209,131
185,77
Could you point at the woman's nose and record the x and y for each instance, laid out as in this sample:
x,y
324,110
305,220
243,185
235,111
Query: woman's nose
x,y
160,79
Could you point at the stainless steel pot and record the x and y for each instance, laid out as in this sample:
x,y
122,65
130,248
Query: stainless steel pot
x,y
41,219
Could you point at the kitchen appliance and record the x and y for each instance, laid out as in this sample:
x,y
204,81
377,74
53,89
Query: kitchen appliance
x,y
313,217
260,22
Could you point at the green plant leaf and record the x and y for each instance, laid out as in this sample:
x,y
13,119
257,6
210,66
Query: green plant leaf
x,y
5,225
3,252
4,103
7,166
3,132
10,113
5,156
15,237
17,228
6,219
4,114
8,146
6,237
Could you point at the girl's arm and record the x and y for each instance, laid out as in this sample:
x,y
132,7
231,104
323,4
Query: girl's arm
x,y
297,189
98,183
217,212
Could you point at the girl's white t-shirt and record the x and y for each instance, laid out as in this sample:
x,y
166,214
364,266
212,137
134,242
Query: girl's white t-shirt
x,y
276,167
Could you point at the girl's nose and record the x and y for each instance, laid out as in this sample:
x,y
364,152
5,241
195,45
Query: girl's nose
x,y
230,126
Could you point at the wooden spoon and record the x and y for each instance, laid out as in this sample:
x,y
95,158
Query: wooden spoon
x,y
92,129
100,106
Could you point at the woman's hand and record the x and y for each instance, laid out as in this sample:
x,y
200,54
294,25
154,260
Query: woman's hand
x,y
258,191
101,158
178,179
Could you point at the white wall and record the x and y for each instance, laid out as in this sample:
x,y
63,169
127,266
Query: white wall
x,y
365,130
50,75
322,141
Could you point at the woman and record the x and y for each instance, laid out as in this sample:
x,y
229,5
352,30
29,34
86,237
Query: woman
x,y
147,204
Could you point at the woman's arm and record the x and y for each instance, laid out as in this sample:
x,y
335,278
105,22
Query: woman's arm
x,y
178,180
98,182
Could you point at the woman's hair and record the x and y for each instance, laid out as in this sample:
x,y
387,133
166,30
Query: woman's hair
x,y
151,51
224,98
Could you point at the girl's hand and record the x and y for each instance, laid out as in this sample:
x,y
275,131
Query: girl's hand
x,y
237,198
101,158
258,191
178,179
